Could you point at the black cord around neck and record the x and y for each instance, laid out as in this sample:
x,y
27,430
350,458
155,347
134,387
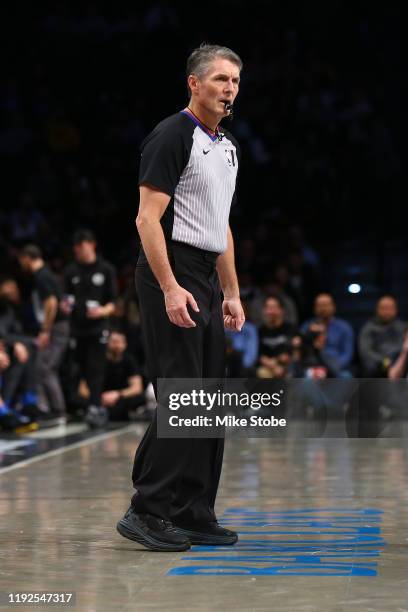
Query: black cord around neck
x,y
215,132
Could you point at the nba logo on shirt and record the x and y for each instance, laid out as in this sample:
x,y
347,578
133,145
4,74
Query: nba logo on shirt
x,y
230,157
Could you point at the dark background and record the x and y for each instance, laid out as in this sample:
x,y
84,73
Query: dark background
x,y
320,118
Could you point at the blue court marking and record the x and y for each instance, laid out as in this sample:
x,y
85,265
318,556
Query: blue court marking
x,y
301,570
285,549
284,559
347,538
355,540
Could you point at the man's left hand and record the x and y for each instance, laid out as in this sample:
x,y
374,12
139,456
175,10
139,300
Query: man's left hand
x,y
98,312
233,313
43,339
110,398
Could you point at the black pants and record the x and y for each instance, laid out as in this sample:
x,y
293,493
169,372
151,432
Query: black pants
x,y
120,411
90,355
19,378
50,394
178,478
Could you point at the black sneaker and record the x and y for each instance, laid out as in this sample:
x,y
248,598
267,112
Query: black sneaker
x,y
44,419
151,532
210,534
97,417
51,419
11,421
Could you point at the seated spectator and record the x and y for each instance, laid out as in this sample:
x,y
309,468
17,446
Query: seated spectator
x,y
123,385
275,341
381,339
9,322
310,359
246,342
11,420
339,336
5,423
18,380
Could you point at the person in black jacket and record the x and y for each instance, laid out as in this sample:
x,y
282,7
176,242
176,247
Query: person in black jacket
x,y
90,293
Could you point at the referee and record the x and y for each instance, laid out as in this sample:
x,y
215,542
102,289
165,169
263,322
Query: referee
x,y
187,183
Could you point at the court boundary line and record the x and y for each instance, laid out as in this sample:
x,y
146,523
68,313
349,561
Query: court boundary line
x,y
72,446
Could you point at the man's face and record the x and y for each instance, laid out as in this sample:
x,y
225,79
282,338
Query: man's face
x,y
387,309
220,84
272,311
324,307
117,343
10,291
25,263
83,250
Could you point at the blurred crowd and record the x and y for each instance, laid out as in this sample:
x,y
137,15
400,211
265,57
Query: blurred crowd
x,y
69,340
81,90
71,344
318,120
323,346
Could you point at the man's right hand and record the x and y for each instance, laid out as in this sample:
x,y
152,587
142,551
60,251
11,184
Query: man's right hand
x,y
176,299
4,360
21,352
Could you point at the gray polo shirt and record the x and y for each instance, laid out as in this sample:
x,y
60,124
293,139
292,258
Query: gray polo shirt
x,y
198,170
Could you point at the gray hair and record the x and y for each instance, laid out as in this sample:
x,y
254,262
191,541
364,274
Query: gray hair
x,y
200,59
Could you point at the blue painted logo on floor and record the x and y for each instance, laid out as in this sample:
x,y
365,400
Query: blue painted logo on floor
x,y
295,542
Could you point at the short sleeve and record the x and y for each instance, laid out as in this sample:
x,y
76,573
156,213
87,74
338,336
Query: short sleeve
x,y
46,286
131,366
165,153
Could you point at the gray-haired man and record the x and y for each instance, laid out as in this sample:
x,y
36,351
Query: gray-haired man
x,y
187,183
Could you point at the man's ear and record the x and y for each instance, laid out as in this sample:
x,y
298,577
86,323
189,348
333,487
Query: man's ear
x,y
193,82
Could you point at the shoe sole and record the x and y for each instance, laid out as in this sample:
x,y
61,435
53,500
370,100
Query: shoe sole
x,y
48,424
201,538
22,429
95,424
147,541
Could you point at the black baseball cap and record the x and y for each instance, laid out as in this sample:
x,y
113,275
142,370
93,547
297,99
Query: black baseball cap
x,y
83,235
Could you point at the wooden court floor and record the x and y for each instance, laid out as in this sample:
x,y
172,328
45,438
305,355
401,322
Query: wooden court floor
x,y
323,526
